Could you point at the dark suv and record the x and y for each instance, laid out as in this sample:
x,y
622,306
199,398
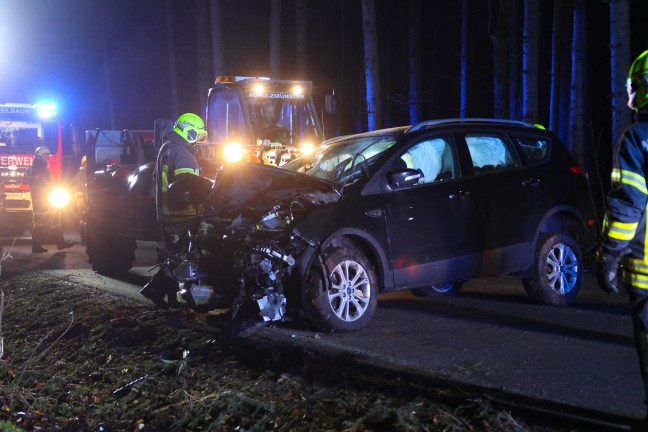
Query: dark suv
x,y
430,206
425,207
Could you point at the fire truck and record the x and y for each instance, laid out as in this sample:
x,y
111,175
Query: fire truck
x,y
23,128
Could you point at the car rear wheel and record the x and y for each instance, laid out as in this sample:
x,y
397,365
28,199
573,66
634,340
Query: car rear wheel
x,y
557,271
440,289
341,295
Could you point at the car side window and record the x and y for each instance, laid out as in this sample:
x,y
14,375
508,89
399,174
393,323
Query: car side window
x,y
489,153
433,157
535,149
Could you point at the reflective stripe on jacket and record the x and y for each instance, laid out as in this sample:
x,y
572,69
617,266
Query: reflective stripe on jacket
x,y
624,225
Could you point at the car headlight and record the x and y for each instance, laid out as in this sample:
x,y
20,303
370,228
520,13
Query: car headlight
x,y
233,152
59,197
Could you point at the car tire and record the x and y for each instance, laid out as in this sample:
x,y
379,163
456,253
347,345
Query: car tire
x,y
329,302
436,290
109,253
557,271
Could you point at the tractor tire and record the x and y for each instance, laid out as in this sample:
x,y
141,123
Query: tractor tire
x,y
109,253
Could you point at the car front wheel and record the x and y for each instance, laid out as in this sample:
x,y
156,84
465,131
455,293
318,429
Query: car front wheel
x,y
342,294
557,271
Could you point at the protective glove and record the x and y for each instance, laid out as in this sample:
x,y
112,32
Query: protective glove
x,y
607,269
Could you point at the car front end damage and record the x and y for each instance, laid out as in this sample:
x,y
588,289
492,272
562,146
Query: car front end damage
x,y
240,254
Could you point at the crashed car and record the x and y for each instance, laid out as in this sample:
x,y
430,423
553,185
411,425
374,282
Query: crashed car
x,y
425,207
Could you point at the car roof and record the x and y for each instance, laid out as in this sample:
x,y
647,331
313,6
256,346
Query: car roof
x,y
471,121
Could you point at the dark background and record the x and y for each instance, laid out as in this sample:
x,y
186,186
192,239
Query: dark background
x,y
55,49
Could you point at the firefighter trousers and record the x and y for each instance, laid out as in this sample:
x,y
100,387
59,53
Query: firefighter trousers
x,y
639,312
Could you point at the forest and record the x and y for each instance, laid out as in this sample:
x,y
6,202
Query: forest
x,y
122,64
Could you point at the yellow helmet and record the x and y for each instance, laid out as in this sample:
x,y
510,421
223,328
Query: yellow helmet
x,y
190,127
638,80
42,151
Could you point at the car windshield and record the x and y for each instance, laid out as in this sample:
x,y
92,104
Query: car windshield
x,y
343,160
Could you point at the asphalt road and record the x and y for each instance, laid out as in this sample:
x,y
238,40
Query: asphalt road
x,y
491,336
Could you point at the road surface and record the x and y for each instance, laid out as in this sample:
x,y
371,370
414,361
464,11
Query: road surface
x,y
581,357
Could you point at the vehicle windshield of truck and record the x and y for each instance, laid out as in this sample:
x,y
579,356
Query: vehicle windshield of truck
x,y
19,139
225,121
346,159
284,121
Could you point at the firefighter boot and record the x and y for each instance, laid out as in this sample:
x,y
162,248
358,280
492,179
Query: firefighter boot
x,y
62,244
37,240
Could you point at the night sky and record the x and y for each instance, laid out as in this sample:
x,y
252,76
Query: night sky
x,y
55,49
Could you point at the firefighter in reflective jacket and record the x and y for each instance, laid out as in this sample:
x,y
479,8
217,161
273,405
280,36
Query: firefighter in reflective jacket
x,y
47,221
624,229
175,160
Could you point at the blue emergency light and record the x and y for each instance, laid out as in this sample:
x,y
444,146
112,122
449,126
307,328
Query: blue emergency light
x,y
45,110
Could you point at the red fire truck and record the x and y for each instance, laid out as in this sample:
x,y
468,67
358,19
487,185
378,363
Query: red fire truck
x,y
23,128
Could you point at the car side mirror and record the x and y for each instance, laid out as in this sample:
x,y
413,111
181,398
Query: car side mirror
x,y
404,177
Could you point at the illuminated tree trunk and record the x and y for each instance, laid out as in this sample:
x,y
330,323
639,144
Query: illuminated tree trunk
x,y
275,39
205,78
371,62
217,46
559,64
514,61
300,42
414,60
576,122
498,33
530,52
106,66
172,60
620,63
463,75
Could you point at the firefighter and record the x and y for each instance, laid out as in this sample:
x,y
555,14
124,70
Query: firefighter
x,y
175,160
623,241
47,220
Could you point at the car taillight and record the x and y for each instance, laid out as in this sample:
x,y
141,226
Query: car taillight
x,y
578,170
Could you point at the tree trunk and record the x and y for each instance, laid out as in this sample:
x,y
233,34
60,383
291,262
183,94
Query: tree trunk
x,y
275,39
172,61
217,46
620,62
204,75
371,61
463,75
414,60
558,13
514,61
498,33
530,53
576,122
301,30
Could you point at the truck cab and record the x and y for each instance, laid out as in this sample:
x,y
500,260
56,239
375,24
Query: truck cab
x,y
262,120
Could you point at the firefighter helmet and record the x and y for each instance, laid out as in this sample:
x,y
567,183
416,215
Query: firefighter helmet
x,y
190,127
42,151
638,81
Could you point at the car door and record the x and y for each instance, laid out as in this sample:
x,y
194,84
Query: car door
x,y
503,197
431,224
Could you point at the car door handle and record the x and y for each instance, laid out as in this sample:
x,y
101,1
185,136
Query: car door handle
x,y
460,194
375,212
530,182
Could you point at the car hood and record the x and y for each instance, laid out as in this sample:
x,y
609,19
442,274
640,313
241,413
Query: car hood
x,y
257,188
